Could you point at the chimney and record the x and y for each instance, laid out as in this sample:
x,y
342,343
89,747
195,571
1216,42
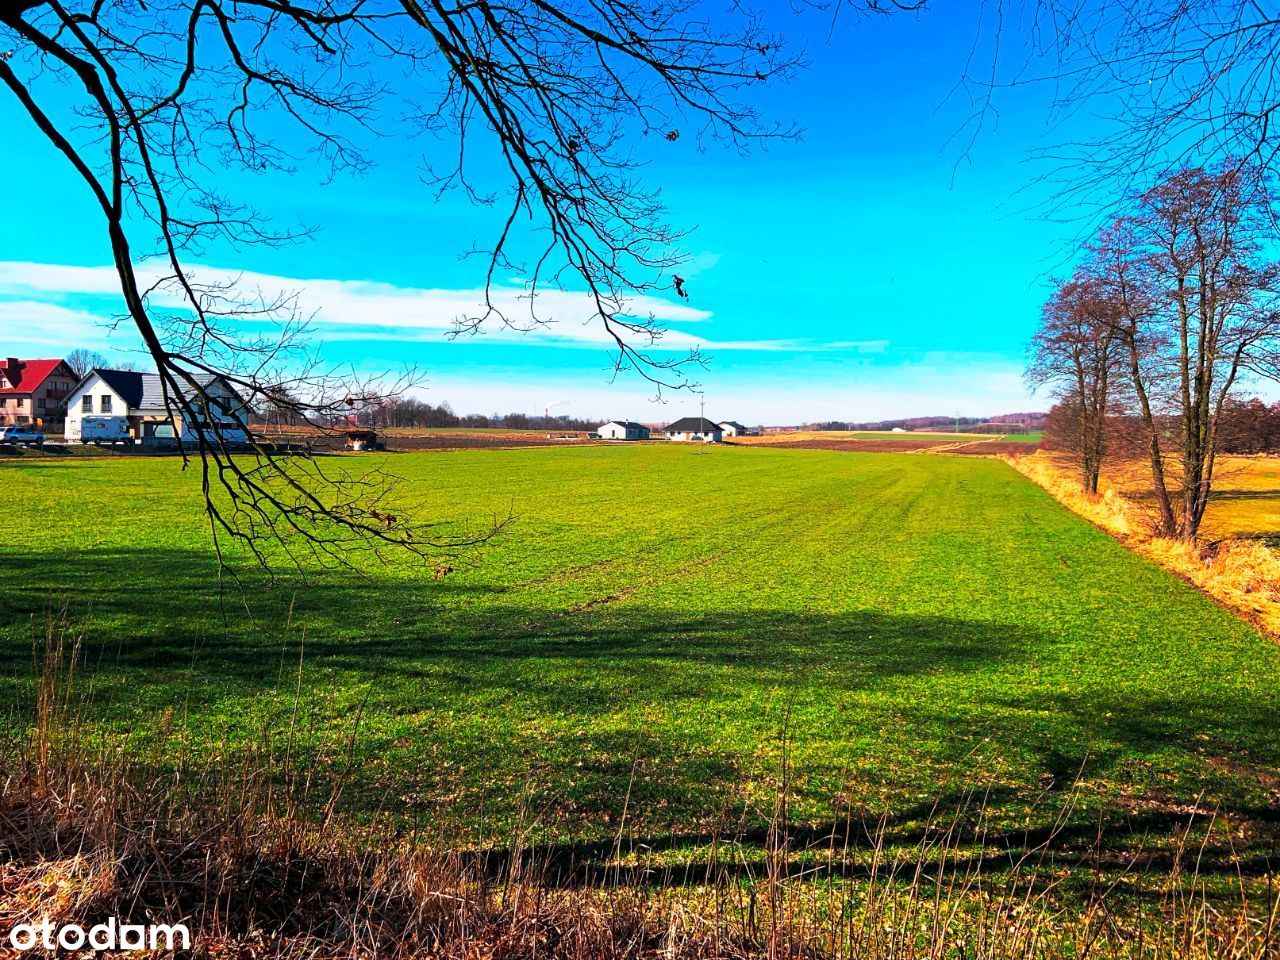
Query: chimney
x,y
13,370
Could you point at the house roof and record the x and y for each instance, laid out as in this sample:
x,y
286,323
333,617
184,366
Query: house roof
x,y
153,389
732,423
31,373
144,391
693,425
628,424
127,384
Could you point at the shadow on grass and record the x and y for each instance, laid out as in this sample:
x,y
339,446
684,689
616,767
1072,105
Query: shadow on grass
x,y
167,609
580,700
1232,495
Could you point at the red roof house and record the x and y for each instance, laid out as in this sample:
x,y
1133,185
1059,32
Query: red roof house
x,y
34,391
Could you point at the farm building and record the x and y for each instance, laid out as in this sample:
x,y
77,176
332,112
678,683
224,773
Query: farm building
x,y
732,428
694,428
126,405
623,430
33,391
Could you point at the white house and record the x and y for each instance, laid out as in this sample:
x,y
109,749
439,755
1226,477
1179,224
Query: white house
x,y
695,429
732,428
124,404
623,430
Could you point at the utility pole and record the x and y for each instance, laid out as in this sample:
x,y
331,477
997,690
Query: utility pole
x,y
702,420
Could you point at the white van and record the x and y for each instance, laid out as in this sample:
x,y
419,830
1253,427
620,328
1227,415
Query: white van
x,y
98,430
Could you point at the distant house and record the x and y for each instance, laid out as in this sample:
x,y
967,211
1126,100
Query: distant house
x,y
34,391
732,428
623,430
695,429
124,404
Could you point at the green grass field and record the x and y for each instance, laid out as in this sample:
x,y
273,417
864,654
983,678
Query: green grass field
x,y
655,624
1031,436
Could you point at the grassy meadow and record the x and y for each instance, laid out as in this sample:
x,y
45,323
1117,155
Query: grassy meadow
x,y
661,634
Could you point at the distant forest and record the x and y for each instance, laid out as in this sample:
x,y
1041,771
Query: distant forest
x,y
1244,426
1004,423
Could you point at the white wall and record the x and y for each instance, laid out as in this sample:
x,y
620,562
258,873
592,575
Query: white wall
x,y
715,437
612,431
616,431
95,387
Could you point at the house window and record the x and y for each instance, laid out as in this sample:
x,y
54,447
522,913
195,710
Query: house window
x,y
40,403
104,403
86,404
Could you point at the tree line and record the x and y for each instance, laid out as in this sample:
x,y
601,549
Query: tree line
x,y
393,411
1171,315
1246,427
409,412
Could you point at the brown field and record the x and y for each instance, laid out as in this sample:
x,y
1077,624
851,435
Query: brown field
x,y
1246,498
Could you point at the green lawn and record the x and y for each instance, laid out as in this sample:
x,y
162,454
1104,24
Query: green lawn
x,y
650,627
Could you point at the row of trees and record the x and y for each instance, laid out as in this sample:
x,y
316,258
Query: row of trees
x,y
1173,310
1245,427
402,411
409,412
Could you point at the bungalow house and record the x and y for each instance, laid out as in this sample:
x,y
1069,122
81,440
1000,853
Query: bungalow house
x,y
33,391
694,428
732,428
623,430
127,404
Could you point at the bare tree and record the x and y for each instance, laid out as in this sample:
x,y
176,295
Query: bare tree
x,y
171,93
1160,84
81,360
1077,353
1198,316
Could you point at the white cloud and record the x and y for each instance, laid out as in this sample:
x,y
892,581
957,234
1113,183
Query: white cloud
x,y
47,308
351,310
56,329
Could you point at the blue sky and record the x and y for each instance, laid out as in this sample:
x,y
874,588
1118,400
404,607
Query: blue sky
x,y
873,268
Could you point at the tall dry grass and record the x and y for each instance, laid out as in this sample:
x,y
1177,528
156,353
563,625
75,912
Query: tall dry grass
x,y
89,832
1241,574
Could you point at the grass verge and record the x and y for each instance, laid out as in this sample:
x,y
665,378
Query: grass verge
x,y
1241,574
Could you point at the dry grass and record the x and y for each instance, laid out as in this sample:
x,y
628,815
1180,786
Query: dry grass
x,y
87,834
1242,574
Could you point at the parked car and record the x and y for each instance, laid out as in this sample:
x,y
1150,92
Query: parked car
x,y
22,435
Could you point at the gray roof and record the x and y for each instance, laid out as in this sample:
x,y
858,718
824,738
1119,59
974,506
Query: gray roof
x,y
153,389
145,391
733,423
693,425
